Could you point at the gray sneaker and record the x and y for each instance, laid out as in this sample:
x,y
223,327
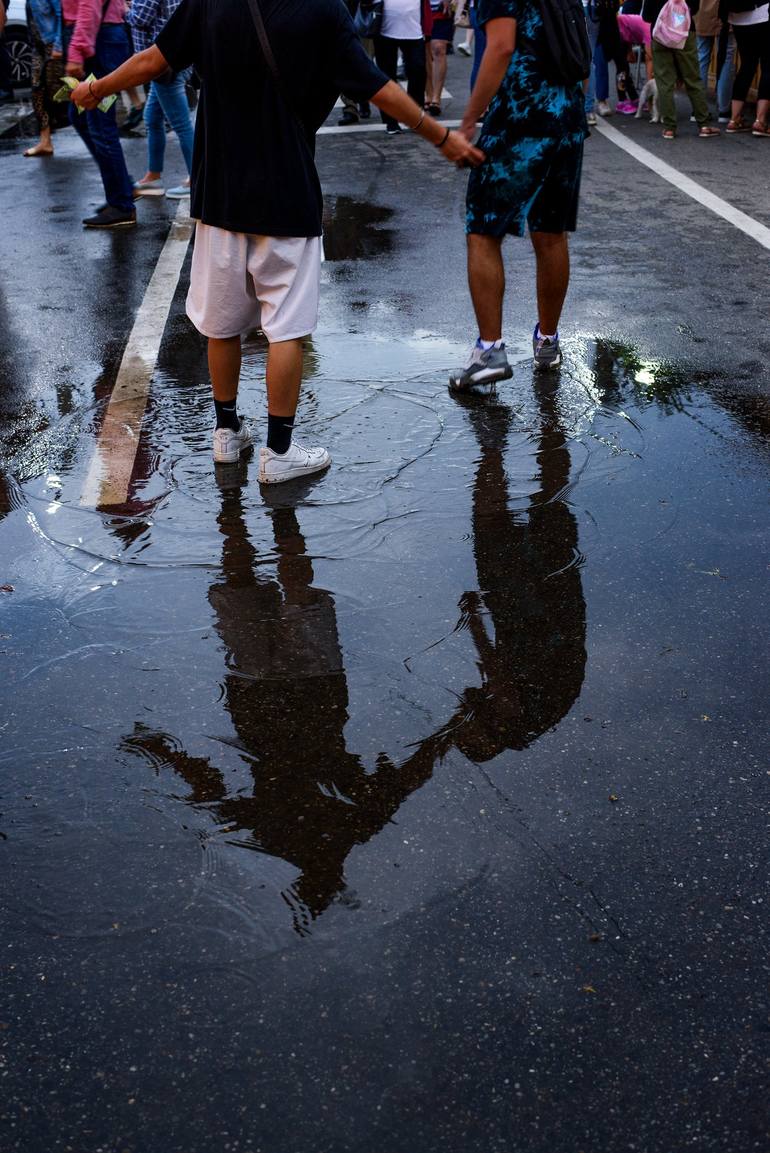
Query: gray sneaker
x,y
547,351
484,368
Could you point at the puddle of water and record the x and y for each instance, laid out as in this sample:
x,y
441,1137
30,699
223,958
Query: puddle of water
x,y
281,674
353,229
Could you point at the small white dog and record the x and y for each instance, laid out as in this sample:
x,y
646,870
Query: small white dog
x,y
649,92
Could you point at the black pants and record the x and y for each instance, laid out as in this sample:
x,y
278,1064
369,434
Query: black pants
x,y
413,51
616,50
753,42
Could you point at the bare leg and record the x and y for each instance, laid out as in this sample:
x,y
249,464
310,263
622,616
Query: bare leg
x,y
284,376
736,110
763,107
225,367
45,145
486,279
552,257
438,68
429,99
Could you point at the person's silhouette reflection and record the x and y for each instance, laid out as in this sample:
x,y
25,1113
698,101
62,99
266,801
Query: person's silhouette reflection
x,y
527,620
286,690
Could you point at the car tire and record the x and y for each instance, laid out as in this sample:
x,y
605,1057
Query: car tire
x,y
20,51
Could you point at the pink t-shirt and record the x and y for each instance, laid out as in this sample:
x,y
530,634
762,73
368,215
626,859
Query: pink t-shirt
x,y
634,30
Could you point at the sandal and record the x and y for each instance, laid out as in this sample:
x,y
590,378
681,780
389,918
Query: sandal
x,y
738,125
433,109
760,129
669,134
707,130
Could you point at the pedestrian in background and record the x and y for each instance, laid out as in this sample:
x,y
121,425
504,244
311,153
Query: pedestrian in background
x,y
672,64
167,101
751,25
714,32
441,35
95,34
45,30
354,111
402,29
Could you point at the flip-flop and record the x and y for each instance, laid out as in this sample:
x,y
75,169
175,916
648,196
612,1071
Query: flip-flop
x,y
706,131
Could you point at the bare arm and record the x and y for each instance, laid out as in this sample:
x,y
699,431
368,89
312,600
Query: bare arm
x,y
137,70
392,99
501,42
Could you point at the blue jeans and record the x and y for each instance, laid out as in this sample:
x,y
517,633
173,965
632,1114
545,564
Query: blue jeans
x,y
593,36
479,44
99,130
725,65
601,74
168,102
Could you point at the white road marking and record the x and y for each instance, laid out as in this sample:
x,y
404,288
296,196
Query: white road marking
x,y
445,95
109,475
376,127
715,204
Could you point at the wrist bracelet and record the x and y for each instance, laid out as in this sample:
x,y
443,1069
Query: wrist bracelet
x,y
419,122
444,139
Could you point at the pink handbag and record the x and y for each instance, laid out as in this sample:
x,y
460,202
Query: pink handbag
x,y
673,24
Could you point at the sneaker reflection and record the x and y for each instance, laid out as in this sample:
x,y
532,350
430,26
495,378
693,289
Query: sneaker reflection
x,y
313,800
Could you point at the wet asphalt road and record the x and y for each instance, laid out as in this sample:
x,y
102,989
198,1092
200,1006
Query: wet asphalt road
x,y
422,806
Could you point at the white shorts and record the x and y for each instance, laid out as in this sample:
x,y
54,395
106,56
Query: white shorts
x,y
239,282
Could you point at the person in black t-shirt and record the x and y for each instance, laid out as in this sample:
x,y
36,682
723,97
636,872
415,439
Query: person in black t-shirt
x,y
255,189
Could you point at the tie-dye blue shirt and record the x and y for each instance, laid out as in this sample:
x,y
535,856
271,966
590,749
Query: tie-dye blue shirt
x,y
527,103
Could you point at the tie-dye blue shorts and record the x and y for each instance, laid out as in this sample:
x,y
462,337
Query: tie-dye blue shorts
x,y
525,183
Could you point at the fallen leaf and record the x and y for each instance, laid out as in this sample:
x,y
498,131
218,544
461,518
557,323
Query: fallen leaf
x,y
588,989
6,588
613,798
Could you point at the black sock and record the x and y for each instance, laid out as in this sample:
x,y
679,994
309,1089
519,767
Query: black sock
x,y
279,430
227,417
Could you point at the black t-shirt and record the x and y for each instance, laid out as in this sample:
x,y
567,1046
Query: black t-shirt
x,y
253,168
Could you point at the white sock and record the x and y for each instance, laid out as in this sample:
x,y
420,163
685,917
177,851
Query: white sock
x,y
487,344
544,335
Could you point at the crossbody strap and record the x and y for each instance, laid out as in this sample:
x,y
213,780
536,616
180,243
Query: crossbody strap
x,y
267,52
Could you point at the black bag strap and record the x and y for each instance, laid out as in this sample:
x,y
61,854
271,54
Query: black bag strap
x,y
267,52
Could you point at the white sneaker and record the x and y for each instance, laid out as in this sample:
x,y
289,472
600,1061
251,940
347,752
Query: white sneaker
x,y
603,108
229,445
275,467
148,188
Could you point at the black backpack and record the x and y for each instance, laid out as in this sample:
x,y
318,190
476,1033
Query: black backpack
x,y
567,51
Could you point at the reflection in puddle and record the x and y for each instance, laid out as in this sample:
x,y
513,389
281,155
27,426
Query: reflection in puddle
x,y
352,229
294,668
286,690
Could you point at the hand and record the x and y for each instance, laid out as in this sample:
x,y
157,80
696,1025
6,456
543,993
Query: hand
x,y
459,150
74,70
468,129
83,97
56,53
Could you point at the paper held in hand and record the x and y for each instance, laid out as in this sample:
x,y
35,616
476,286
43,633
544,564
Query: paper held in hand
x,y
70,84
